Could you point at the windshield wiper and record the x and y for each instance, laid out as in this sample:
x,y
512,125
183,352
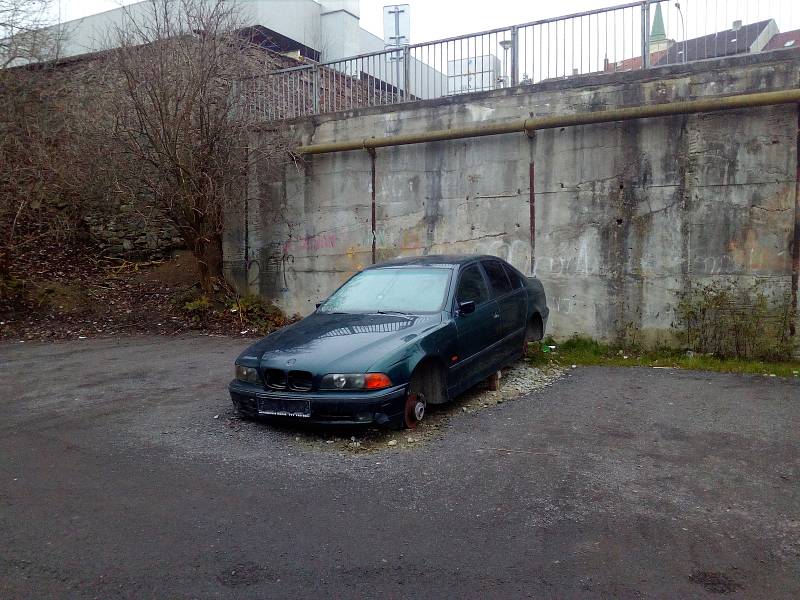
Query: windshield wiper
x,y
391,312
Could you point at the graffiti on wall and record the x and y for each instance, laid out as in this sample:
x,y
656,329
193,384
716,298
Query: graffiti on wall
x,y
751,255
562,305
350,250
330,240
274,260
311,243
564,265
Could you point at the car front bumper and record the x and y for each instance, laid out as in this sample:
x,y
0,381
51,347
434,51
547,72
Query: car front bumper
x,y
341,408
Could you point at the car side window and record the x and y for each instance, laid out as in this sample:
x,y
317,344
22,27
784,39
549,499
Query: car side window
x,y
516,280
497,277
471,287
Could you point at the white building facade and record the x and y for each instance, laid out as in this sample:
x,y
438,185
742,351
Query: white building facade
x,y
321,30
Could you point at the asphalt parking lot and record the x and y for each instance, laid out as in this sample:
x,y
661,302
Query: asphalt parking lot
x,y
124,473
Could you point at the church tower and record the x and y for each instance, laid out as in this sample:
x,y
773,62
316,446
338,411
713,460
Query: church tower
x,y
658,35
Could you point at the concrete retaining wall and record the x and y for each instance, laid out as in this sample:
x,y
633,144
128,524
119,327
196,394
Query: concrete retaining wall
x,y
626,214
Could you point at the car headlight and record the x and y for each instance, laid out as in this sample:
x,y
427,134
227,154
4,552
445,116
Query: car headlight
x,y
248,374
355,381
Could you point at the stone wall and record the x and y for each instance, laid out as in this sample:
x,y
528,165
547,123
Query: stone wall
x,y
64,160
625,215
133,232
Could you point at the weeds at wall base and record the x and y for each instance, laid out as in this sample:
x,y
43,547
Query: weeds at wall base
x,y
588,352
256,315
727,320
721,326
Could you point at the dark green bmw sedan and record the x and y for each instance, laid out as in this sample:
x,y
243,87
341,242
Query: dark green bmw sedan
x,y
393,339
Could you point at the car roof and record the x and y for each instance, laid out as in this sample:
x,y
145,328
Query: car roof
x,y
433,260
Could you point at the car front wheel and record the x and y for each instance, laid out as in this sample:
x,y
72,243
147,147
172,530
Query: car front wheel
x,y
427,386
415,409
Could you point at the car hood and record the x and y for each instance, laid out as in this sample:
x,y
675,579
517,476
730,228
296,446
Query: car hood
x,y
339,343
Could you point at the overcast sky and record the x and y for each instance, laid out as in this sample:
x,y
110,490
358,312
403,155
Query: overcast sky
x,y
430,19
435,19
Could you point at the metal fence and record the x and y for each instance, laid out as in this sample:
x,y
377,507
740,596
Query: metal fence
x,y
636,35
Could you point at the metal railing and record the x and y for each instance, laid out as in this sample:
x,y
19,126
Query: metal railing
x,y
627,37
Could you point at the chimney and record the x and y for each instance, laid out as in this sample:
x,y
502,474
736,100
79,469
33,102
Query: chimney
x,y
737,25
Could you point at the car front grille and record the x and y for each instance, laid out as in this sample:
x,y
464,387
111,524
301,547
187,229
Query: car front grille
x,y
275,379
297,381
300,381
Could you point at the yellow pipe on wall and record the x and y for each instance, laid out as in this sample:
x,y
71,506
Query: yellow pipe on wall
x,y
585,118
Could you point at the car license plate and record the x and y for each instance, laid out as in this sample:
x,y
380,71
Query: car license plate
x,y
284,407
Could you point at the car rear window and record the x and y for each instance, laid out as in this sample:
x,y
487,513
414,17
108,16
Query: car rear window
x,y
497,277
514,277
471,287
396,289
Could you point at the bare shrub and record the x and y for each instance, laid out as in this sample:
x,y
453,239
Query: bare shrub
x,y
727,320
59,159
152,123
178,122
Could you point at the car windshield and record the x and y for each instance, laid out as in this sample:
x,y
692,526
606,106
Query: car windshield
x,y
395,289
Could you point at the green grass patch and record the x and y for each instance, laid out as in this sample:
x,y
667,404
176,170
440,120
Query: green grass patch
x,y
585,351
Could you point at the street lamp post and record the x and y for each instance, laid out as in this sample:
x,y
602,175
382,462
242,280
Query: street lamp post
x,y
683,28
506,44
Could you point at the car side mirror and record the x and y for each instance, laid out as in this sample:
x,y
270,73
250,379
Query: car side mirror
x,y
466,307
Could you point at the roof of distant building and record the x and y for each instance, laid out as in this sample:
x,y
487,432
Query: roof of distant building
x,y
787,39
721,43
633,64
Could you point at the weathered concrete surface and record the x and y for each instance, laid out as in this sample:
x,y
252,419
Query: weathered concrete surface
x,y
627,215
119,482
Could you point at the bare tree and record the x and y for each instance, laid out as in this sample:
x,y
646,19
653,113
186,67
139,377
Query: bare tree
x,y
24,39
25,32
179,61
153,120
58,161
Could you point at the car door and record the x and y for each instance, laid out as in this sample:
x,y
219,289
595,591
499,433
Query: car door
x,y
511,302
477,331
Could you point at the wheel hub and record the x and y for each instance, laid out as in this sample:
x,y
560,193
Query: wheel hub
x,y
415,409
419,410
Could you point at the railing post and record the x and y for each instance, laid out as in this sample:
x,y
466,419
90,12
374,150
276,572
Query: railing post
x,y
315,89
406,72
514,56
646,34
